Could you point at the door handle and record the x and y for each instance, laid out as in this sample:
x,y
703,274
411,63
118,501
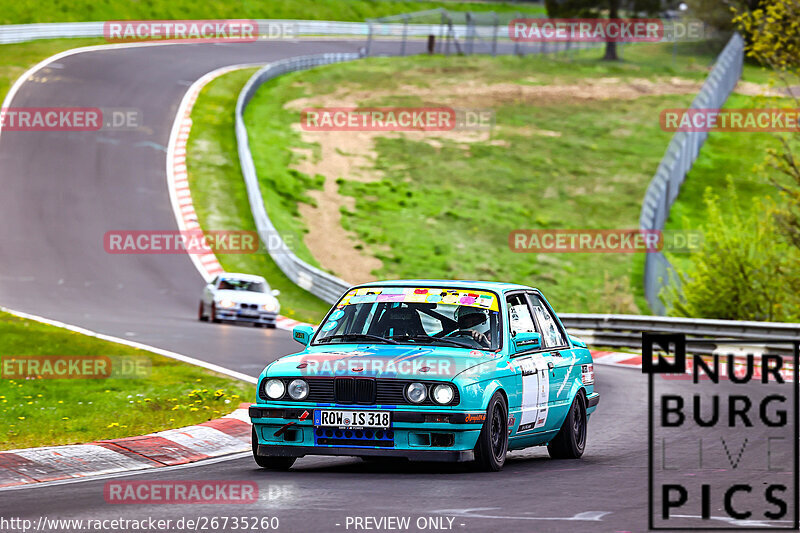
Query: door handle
x,y
550,365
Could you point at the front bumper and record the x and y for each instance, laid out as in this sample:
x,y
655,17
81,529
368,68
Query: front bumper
x,y
235,315
452,456
435,435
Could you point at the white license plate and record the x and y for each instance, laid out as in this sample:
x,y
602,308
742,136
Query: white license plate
x,y
352,419
249,314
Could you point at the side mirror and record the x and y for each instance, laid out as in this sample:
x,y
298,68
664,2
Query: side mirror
x,y
276,292
526,340
303,334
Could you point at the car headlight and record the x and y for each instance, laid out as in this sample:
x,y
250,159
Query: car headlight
x,y
274,388
270,307
443,394
298,389
227,304
416,392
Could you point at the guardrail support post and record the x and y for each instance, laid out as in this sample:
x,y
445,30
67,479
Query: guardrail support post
x,y
494,35
405,35
369,37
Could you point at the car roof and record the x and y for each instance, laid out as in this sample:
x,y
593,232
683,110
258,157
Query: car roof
x,y
496,286
243,277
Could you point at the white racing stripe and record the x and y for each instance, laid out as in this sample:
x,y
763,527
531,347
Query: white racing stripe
x,y
133,344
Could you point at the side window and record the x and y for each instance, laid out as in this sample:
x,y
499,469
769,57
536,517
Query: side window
x,y
216,280
519,314
552,335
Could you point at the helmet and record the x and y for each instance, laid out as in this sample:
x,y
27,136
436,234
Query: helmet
x,y
469,317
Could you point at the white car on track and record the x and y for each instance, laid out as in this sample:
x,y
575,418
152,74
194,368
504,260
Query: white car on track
x,y
239,298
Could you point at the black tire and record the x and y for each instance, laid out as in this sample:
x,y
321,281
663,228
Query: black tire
x,y
214,318
272,326
490,452
269,463
200,315
570,442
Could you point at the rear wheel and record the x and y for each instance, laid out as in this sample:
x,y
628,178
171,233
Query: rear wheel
x,y
270,463
214,318
570,441
201,314
490,452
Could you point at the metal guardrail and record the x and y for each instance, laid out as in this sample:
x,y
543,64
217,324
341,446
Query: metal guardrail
x,y
626,330
321,284
17,33
681,154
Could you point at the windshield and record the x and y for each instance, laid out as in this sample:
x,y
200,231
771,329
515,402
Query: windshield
x,y
414,315
229,284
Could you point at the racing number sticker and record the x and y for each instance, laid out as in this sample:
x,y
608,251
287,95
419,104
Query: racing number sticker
x,y
587,374
535,392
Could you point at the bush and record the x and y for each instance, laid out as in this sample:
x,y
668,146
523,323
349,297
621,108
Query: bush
x,y
744,271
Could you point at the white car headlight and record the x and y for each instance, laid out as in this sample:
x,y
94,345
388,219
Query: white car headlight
x,y
227,304
298,389
270,307
416,392
274,388
443,394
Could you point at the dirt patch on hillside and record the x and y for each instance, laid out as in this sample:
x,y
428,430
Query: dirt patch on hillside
x,y
476,93
351,155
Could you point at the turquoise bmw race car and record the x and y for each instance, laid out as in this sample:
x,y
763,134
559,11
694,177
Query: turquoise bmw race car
x,y
431,371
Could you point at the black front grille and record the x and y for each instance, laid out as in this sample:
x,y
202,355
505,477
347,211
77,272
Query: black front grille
x,y
249,306
363,391
392,393
320,390
355,390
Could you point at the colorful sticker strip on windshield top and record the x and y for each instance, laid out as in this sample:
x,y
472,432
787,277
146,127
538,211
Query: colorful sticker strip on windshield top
x,y
366,295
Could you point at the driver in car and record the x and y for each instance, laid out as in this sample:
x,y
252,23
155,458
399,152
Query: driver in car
x,y
471,320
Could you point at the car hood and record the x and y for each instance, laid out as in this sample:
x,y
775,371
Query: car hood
x,y
244,297
382,361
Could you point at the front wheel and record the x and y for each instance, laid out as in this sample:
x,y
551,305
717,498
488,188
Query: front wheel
x,y
214,318
570,441
201,313
490,452
270,463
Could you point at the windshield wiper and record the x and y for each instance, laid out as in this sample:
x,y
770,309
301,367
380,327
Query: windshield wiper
x,y
358,336
431,340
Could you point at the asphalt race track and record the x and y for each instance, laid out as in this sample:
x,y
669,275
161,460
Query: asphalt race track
x,y
62,191
606,490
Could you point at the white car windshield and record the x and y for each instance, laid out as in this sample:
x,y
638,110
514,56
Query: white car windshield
x,y
462,318
229,284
